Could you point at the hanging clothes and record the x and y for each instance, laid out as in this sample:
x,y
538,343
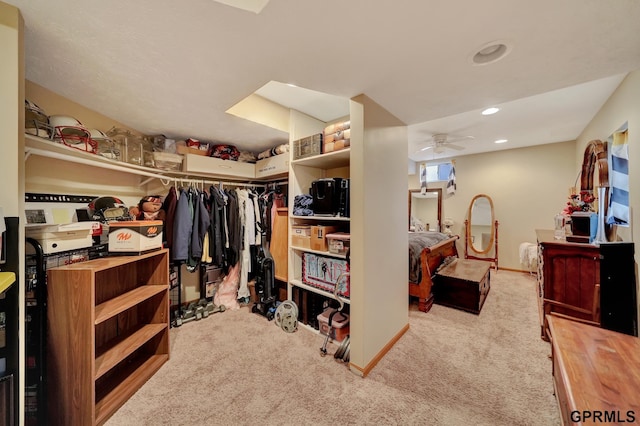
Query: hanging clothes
x,y
234,229
169,206
182,228
245,257
200,227
253,196
217,225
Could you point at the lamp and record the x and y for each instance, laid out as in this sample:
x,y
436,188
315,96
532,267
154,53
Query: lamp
x,y
448,223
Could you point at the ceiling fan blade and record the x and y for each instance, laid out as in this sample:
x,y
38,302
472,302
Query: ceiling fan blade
x,y
456,147
426,148
459,138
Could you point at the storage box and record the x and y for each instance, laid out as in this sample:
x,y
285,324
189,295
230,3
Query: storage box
x,y
324,272
339,242
135,237
463,284
301,236
339,324
319,237
218,166
62,237
307,147
167,161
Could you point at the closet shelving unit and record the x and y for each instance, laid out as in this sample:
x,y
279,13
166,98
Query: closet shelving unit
x,y
376,165
264,170
109,372
301,173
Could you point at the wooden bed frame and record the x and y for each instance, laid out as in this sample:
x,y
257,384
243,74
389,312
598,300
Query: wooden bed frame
x,y
430,259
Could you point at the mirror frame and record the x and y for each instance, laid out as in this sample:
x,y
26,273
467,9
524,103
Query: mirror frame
x,y
413,191
595,155
469,224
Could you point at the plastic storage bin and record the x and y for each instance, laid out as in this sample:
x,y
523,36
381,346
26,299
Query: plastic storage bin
x,y
339,324
339,242
301,236
167,161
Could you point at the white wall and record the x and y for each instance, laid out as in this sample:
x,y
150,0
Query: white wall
x,y
528,186
379,215
12,151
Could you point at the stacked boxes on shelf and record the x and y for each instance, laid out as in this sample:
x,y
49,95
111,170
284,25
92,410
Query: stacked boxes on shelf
x,y
337,136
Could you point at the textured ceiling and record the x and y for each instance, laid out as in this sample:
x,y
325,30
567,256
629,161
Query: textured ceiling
x,y
175,67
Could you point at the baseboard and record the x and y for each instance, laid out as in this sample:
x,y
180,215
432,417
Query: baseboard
x,y
360,371
516,270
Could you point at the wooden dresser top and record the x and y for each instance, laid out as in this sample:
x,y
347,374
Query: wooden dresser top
x,y
600,368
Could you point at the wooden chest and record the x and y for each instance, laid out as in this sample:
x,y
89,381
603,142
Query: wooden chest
x,y
463,284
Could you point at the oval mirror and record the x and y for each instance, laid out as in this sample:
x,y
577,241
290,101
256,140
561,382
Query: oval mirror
x,y
481,230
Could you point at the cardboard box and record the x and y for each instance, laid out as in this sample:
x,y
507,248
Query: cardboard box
x,y
135,237
301,236
319,236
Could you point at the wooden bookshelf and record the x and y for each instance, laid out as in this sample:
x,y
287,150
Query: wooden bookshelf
x,y
108,333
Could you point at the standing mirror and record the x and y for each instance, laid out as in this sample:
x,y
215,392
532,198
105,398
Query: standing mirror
x,y
425,210
481,230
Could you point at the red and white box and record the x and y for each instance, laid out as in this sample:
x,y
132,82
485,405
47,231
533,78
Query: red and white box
x,y
135,236
339,328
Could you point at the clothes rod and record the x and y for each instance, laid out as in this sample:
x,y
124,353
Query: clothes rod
x,y
216,182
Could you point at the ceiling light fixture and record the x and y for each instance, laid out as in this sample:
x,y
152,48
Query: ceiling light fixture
x,y
490,111
501,141
490,52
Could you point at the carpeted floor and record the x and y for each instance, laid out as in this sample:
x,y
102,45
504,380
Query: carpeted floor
x,y
450,368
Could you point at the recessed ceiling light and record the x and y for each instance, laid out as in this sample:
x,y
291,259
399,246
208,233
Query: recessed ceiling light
x,y
490,52
501,141
490,111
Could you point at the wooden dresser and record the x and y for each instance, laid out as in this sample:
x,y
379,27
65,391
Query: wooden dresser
x,y
568,279
594,284
595,373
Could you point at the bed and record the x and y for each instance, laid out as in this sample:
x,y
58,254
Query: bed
x,y
427,250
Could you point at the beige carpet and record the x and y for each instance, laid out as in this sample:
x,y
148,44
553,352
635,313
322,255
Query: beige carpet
x,y
450,368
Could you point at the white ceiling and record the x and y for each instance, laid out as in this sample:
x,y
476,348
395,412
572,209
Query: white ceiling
x,y
174,68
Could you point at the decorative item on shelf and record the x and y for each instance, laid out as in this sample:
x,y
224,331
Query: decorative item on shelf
x,y
579,212
149,208
448,224
70,132
582,202
36,122
559,229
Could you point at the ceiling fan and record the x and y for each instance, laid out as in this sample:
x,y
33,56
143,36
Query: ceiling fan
x,y
442,141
